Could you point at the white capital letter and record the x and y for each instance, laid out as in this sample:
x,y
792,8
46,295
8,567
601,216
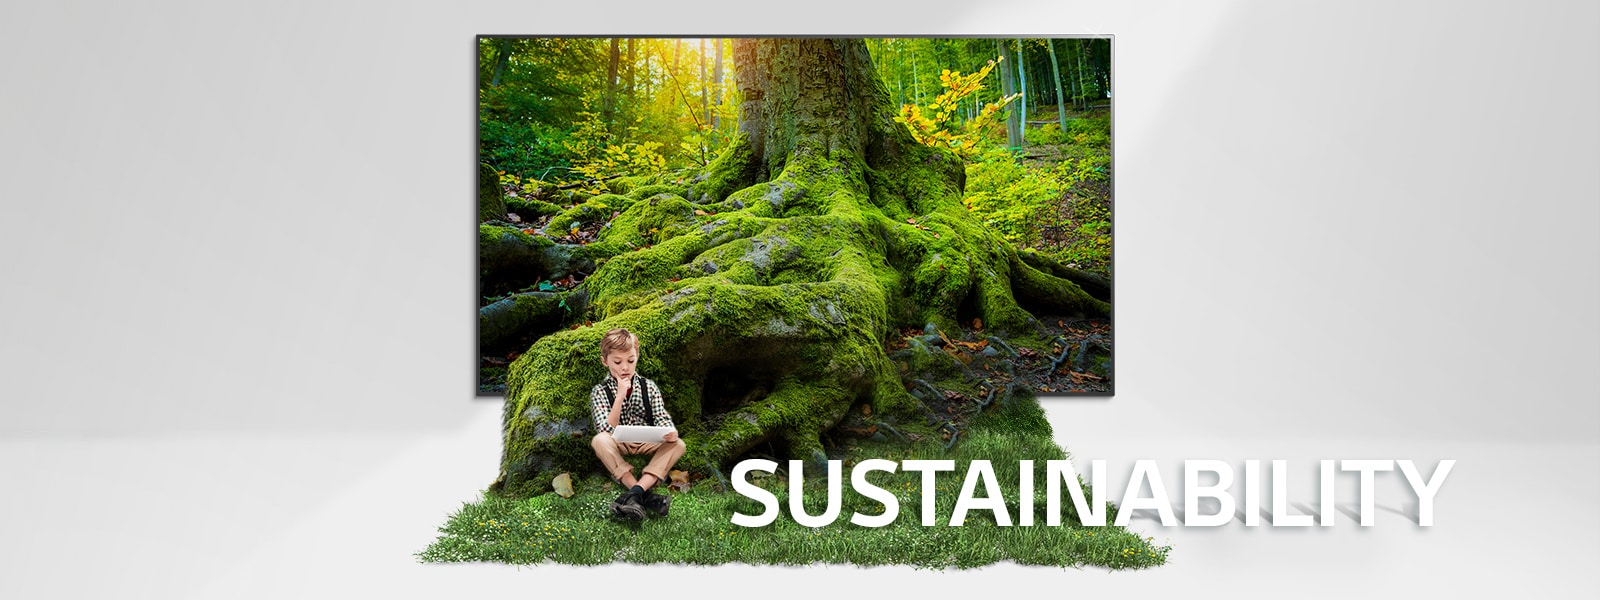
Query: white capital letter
x,y
1145,470
930,471
891,505
1367,468
1057,471
993,500
1192,491
754,493
1280,499
797,508
1426,491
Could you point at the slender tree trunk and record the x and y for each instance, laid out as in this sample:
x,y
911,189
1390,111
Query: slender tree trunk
x,y
1055,68
705,96
899,75
608,105
1008,87
716,115
1072,74
1022,79
1082,72
916,74
500,61
631,80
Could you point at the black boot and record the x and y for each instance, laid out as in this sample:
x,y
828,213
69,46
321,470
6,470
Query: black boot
x,y
656,503
627,505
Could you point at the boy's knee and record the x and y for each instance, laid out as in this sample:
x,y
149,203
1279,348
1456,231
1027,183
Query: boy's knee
x,y
602,440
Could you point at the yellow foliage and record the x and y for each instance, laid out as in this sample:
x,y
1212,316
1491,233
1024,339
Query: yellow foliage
x,y
932,125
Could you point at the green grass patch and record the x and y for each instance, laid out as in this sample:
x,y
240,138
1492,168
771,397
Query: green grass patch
x,y
579,530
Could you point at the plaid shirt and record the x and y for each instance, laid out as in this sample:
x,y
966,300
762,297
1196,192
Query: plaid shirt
x,y
644,392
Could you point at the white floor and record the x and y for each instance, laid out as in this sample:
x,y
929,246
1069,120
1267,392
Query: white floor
x,y
340,516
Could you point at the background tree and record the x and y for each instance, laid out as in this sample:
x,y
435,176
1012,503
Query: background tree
x,y
1055,69
1009,87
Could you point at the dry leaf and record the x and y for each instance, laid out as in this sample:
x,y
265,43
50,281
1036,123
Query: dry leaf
x,y
680,481
699,213
563,485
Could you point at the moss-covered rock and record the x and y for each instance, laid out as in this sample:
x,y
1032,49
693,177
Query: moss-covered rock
x,y
491,199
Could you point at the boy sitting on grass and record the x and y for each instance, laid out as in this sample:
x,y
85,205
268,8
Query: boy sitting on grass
x,y
626,398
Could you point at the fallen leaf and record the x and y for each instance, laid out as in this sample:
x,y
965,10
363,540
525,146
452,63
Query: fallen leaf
x,y
977,324
563,485
699,213
866,409
680,481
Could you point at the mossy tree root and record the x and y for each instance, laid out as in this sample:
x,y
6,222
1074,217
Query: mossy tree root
x,y
509,259
520,316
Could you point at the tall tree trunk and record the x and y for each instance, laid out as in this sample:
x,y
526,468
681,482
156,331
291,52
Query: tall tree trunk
x,y
899,74
1008,87
1022,79
1072,73
916,74
631,80
716,79
832,230
500,61
608,105
705,96
1055,68
1082,71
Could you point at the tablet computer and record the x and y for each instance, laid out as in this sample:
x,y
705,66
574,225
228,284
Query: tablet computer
x,y
640,434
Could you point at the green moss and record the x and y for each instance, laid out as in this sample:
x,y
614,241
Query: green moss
x,y
530,209
646,191
496,243
491,199
594,210
734,169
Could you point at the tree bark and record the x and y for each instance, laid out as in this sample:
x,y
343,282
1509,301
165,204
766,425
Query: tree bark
x,y
1055,68
500,61
716,80
1022,81
1085,92
1008,87
705,97
608,104
630,89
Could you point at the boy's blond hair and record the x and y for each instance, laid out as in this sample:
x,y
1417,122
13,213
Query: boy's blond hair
x,y
618,340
